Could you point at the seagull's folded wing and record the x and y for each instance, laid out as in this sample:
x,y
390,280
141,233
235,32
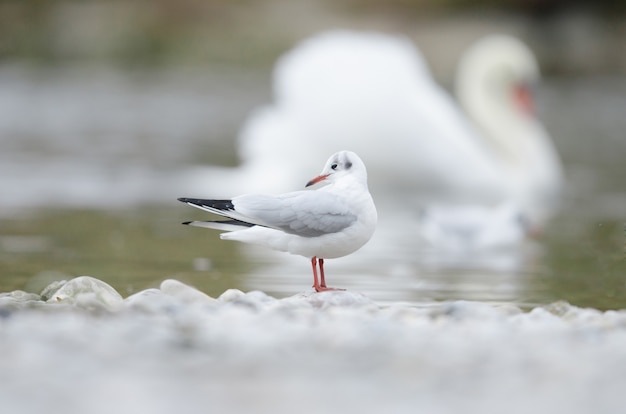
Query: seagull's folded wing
x,y
304,213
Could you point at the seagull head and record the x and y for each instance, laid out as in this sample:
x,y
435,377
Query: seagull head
x,y
341,164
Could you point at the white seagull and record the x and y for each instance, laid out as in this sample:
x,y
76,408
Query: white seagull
x,y
333,221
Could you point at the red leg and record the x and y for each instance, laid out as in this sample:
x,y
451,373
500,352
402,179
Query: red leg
x,y
322,279
320,287
316,284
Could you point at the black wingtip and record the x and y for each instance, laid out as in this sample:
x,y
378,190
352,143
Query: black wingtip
x,y
186,222
215,204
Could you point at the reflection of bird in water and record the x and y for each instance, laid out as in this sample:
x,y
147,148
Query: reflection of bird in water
x,y
332,222
373,93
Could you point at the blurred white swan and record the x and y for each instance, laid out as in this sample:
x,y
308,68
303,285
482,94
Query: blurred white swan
x,y
372,93
493,86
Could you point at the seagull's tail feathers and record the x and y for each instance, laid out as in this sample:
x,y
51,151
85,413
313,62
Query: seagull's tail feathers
x,y
219,207
224,208
224,225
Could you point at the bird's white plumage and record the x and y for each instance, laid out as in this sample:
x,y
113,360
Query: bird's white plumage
x,y
328,222
304,213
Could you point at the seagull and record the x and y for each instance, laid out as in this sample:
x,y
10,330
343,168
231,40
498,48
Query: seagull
x,y
333,220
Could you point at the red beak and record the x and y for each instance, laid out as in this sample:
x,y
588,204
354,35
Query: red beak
x,y
316,180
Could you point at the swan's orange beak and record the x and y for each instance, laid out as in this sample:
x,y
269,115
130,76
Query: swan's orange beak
x,y
317,179
524,99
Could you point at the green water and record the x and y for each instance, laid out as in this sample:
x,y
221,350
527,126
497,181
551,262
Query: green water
x,y
579,262
585,264
131,251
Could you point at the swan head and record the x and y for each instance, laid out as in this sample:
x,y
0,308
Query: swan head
x,y
497,72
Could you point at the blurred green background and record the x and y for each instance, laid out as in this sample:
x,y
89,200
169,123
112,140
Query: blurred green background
x,y
569,36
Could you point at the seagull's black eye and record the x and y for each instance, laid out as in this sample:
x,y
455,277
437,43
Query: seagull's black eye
x,y
334,166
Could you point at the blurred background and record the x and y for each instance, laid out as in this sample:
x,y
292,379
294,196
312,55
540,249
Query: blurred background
x,y
104,103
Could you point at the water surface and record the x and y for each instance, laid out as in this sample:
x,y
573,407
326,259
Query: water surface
x,y
90,161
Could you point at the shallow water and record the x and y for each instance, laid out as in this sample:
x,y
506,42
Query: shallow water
x,y
137,250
